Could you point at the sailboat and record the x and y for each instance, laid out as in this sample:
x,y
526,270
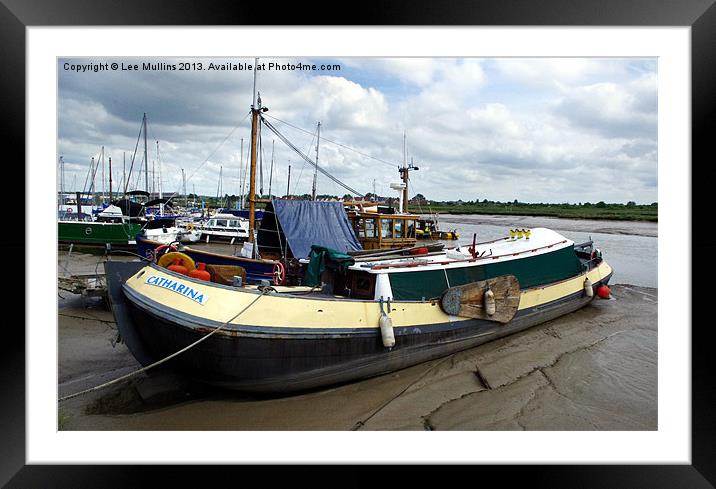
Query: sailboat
x,y
352,317
109,229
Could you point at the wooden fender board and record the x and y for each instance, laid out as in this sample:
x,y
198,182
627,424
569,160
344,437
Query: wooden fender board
x,y
467,300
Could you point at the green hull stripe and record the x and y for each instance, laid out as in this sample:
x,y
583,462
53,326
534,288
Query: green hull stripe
x,y
91,232
530,272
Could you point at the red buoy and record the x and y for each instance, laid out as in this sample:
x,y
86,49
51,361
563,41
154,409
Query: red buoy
x,y
178,267
200,272
419,251
603,292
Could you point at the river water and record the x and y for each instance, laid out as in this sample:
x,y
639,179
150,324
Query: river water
x,y
629,247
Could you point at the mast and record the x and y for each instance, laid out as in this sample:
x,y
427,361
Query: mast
x,y
252,171
110,179
124,170
315,171
288,185
183,186
62,181
241,173
159,183
92,174
404,176
146,161
405,173
255,111
103,178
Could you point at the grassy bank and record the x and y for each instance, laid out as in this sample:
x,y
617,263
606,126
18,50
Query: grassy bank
x,y
621,212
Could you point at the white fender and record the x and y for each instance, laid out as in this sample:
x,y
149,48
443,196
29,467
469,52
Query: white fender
x,y
386,331
489,299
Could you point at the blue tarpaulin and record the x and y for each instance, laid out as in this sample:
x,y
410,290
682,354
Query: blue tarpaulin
x,y
293,226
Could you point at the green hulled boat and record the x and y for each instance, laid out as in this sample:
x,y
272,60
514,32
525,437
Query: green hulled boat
x,y
85,233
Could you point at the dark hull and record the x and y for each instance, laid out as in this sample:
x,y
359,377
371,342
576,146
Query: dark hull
x,y
265,361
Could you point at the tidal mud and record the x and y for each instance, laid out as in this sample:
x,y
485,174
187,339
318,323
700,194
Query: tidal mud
x,y
594,369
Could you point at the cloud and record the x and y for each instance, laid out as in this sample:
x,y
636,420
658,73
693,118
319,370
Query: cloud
x,y
530,129
611,109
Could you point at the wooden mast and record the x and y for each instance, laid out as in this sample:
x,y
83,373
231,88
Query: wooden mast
x,y
255,110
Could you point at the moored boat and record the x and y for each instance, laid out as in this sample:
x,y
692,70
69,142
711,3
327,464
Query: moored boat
x,y
111,229
224,227
295,338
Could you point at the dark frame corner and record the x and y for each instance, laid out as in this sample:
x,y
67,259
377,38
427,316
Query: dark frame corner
x,y
16,15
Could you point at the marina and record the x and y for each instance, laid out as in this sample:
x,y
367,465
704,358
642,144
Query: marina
x,y
313,294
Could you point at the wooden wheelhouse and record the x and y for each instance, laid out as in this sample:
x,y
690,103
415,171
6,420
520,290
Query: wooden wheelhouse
x,y
378,230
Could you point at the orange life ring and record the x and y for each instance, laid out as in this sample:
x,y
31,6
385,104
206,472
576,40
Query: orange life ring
x,y
168,258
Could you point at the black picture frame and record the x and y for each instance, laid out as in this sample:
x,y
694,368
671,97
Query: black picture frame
x,y
700,15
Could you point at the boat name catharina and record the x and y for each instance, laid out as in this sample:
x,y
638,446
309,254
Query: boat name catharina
x,y
178,287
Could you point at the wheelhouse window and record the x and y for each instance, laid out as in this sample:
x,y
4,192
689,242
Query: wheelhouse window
x,y
359,227
386,228
410,228
399,228
370,227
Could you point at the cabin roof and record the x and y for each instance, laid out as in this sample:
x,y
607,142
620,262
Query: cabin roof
x,y
542,240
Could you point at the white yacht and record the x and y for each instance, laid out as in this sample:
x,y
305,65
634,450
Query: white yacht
x,y
224,227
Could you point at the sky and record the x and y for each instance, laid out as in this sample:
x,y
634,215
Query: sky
x,y
547,130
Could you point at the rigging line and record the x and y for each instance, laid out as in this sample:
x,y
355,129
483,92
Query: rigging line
x,y
94,176
300,173
261,164
308,160
84,187
334,142
159,362
212,153
134,155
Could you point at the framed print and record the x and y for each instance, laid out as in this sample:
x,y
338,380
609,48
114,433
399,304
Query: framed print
x,y
627,104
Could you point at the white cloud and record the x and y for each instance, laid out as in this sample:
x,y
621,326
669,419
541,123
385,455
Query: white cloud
x,y
534,130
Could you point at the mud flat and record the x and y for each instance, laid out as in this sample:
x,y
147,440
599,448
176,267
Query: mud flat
x,y
595,369
630,228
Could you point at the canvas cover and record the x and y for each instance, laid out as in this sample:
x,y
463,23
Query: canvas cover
x,y
322,258
293,226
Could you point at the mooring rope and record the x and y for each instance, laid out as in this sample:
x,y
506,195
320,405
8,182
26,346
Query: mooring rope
x,y
159,362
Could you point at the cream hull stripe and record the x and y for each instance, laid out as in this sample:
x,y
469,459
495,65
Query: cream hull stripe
x,y
288,311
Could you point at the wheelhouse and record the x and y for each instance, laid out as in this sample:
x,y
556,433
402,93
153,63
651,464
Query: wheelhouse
x,y
383,231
